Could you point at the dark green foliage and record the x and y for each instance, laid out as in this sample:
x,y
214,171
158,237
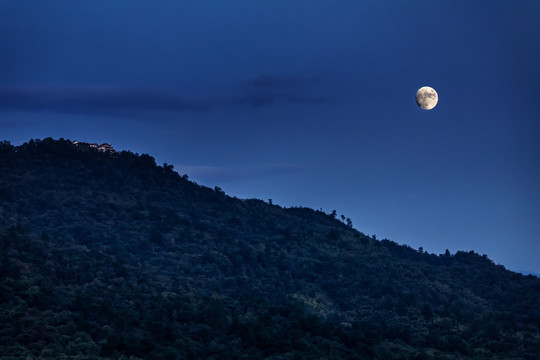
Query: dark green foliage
x,y
111,256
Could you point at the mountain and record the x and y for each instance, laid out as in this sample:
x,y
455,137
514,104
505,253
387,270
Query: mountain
x,y
105,255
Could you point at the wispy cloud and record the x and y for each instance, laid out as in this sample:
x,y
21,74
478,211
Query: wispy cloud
x,y
259,100
262,91
216,174
273,81
97,100
268,88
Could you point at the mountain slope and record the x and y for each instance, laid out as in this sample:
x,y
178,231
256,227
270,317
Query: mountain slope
x,y
106,255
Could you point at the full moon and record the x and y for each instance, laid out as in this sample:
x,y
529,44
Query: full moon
x,y
426,98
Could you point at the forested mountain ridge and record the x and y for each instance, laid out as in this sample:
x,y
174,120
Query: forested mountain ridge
x,y
107,255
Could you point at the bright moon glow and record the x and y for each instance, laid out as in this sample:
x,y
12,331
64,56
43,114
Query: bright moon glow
x,y
426,98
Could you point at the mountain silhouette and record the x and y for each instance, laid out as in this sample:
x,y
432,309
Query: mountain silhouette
x,y
106,255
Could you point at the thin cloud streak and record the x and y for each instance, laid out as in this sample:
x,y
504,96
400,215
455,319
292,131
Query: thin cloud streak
x,y
260,100
263,91
96,100
216,174
272,81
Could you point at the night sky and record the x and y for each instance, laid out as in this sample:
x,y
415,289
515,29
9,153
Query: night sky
x,y
309,103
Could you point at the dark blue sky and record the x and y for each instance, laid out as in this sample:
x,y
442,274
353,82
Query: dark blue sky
x,y
310,103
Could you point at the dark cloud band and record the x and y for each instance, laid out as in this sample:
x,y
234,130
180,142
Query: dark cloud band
x,y
262,91
89,100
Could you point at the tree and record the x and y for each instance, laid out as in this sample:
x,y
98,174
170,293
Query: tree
x,y
427,312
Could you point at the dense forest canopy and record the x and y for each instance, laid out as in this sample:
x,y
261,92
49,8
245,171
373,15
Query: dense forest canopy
x,y
106,255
